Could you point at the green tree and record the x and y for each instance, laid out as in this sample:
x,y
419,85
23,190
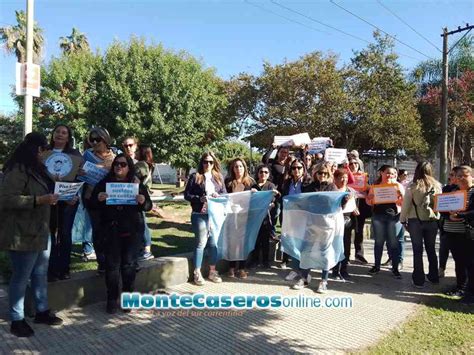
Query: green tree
x,y
11,127
75,42
226,151
69,91
383,112
14,38
166,99
306,95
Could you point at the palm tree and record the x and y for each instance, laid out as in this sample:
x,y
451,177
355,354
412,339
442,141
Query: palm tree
x,y
77,41
14,38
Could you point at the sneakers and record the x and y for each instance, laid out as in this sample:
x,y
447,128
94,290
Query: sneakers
x,y
361,259
89,257
323,287
300,284
456,292
242,274
198,279
146,256
396,274
48,318
441,272
21,329
283,266
374,270
214,277
291,276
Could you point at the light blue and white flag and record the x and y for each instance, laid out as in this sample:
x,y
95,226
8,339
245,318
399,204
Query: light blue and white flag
x,y
234,222
313,229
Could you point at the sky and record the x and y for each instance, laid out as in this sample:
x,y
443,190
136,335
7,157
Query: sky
x,y
235,36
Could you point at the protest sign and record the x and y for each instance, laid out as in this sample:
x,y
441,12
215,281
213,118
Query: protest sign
x,y
61,166
318,145
385,193
450,201
335,155
282,141
296,140
67,190
350,205
94,173
121,193
360,183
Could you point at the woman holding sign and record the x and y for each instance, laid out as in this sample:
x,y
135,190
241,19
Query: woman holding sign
x,y
207,181
386,200
422,222
121,220
60,149
25,200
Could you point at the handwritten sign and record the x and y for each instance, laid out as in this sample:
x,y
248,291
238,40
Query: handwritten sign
x,y
94,173
295,140
360,183
335,155
318,145
67,190
385,193
121,193
451,201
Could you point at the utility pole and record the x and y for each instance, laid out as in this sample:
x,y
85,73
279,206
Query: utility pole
x,y
29,60
443,163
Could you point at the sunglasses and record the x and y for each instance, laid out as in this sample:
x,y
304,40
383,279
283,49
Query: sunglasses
x,y
322,173
263,172
296,167
95,139
210,162
128,145
122,164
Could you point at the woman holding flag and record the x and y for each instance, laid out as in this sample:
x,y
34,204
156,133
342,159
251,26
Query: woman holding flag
x,y
207,181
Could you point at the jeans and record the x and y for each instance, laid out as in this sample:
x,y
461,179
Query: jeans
x,y
459,246
401,245
423,233
386,228
443,249
199,223
26,265
147,233
120,258
61,243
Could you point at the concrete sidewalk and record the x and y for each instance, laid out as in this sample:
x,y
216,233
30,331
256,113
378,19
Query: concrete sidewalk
x,y
380,303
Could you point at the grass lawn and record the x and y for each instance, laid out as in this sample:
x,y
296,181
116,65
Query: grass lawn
x,y
441,326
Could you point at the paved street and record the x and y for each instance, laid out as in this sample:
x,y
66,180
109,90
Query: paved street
x,y
380,303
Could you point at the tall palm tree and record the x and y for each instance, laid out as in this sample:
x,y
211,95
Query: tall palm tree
x,y
77,41
13,38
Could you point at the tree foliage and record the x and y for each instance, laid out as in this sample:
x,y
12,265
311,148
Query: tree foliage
x,y
14,39
11,128
75,42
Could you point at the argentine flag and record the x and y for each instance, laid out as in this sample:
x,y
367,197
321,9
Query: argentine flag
x,y
234,222
313,229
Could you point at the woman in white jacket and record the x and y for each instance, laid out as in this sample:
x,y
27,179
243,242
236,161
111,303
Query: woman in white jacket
x,y
418,216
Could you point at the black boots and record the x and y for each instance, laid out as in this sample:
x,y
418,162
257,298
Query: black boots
x,y
48,318
21,329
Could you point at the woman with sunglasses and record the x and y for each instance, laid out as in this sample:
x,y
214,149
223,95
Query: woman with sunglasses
x,y
262,245
322,181
365,211
238,180
122,227
25,203
207,181
64,212
297,179
101,155
386,222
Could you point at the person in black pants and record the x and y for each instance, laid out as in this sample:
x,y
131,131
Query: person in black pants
x,y
122,229
264,234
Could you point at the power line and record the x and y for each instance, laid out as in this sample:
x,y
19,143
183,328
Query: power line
x,y
321,23
398,17
282,16
455,44
374,26
332,27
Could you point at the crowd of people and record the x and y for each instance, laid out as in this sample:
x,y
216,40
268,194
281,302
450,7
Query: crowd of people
x,y
37,225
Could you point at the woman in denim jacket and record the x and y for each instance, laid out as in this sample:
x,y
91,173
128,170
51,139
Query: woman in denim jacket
x,y
207,181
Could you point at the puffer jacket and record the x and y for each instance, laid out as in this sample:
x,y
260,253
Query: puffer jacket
x,y
24,225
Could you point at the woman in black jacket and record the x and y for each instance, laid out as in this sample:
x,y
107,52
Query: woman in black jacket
x,y
122,228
